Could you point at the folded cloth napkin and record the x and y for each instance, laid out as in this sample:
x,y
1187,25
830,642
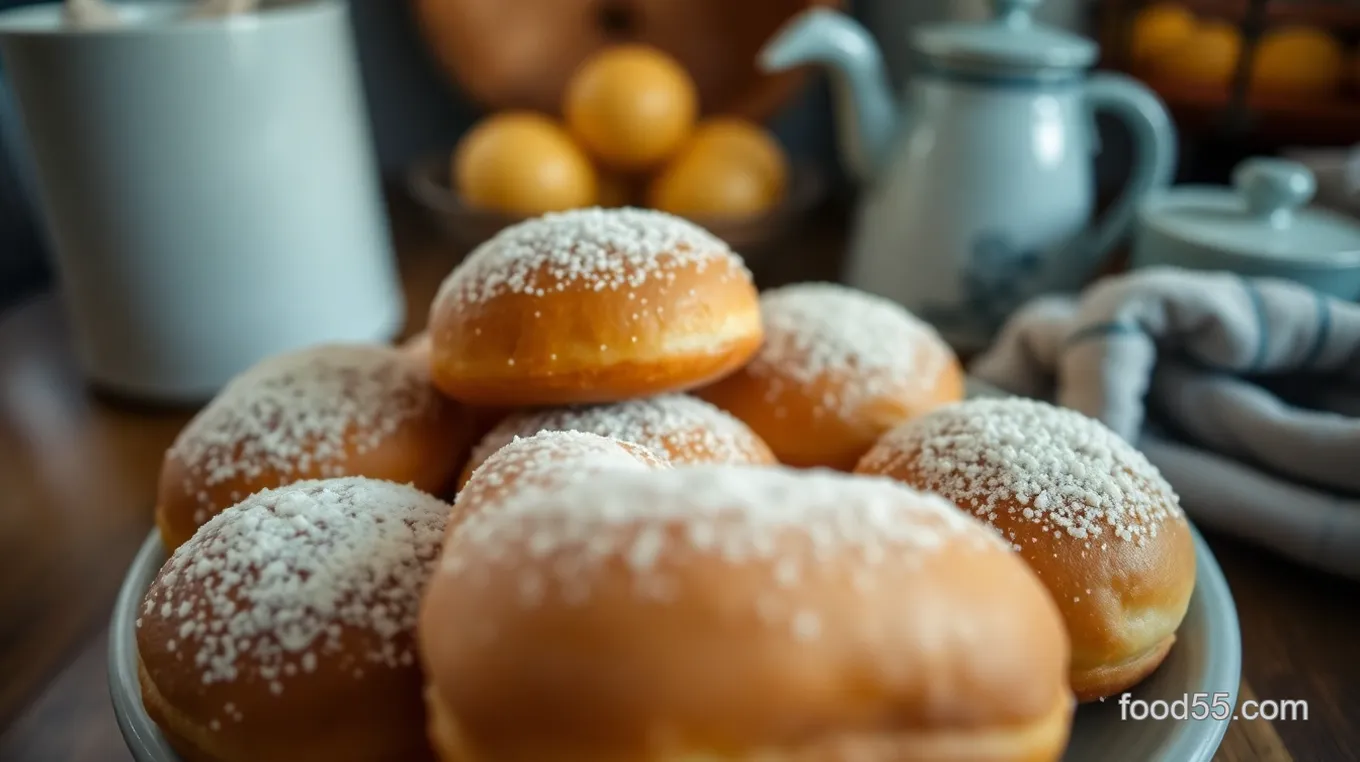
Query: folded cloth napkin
x,y
1244,392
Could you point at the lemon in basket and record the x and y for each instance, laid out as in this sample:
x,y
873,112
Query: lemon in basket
x,y
1157,29
524,164
729,168
1299,61
631,106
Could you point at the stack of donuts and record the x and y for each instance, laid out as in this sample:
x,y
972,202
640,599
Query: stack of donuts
x,y
616,505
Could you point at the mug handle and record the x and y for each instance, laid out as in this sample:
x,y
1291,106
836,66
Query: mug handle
x,y
1154,155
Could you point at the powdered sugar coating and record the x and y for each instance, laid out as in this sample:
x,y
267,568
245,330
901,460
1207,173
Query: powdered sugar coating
x,y
266,588
641,522
820,330
666,424
299,415
585,249
1051,467
550,458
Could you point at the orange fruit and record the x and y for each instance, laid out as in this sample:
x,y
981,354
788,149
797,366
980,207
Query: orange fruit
x,y
728,169
740,141
1208,57
1298,61
1158,28
522,163
631,106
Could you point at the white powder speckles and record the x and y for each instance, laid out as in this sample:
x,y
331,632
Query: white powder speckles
x,y
272,583
650,526
549,458
814,330
673,426
806,625
588,249
301,415
1065,474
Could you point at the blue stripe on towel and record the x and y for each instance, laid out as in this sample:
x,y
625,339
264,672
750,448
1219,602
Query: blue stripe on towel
x,y
1102,330
1324,330
1262,326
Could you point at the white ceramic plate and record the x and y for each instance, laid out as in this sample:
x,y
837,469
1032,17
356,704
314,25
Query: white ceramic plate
x,y
1204,665
1207,660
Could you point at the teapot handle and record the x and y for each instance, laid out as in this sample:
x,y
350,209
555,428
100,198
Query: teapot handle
x,y
1154,156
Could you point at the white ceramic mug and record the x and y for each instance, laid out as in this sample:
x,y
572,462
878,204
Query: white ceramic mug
x,y
209,189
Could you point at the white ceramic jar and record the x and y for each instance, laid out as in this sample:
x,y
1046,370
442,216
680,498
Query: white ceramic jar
x,y
208,187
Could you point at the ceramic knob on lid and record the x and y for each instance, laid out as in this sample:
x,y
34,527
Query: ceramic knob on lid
x,y
1274,188
1011,43
1016,12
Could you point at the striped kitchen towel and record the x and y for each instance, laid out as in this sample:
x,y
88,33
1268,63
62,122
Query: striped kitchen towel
x,y
1244,392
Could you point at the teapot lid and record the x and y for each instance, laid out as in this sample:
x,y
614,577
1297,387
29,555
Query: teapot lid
x,y
1264,215
1011,40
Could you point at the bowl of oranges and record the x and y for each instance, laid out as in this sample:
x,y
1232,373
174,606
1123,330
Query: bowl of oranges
x,y
1169,43
629,133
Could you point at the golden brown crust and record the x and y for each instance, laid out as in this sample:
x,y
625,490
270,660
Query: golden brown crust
x,y
546,460
838,369
1112,679
328,411
1039,741
582,308
792,420
677,427
321,722
729,613
1121,570
284,630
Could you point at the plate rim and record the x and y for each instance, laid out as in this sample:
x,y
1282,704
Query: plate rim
x,y
1186,740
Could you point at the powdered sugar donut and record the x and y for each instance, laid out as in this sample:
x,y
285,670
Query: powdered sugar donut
x,y
676,427
1096,521
839,367
590,306
547,460
739,614
284,630
328,411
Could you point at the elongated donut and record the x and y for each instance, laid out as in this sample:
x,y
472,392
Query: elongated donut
x,y
739,615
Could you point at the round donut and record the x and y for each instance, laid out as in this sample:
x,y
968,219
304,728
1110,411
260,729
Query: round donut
x,y
592,306
739,614
838,369
677,427
328,411
547,460
285,629
1094,519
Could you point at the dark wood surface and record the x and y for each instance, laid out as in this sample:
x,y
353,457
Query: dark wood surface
x,y
77,480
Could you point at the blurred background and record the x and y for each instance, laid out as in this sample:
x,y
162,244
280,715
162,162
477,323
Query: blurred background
x,y
1241,78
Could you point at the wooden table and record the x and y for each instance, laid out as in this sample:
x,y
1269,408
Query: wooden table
x,y
77,481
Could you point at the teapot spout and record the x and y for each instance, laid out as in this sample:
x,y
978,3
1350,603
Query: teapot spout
x,y
864,99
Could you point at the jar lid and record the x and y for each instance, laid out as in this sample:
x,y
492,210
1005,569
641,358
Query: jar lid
x,y
1264,215
1010,42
